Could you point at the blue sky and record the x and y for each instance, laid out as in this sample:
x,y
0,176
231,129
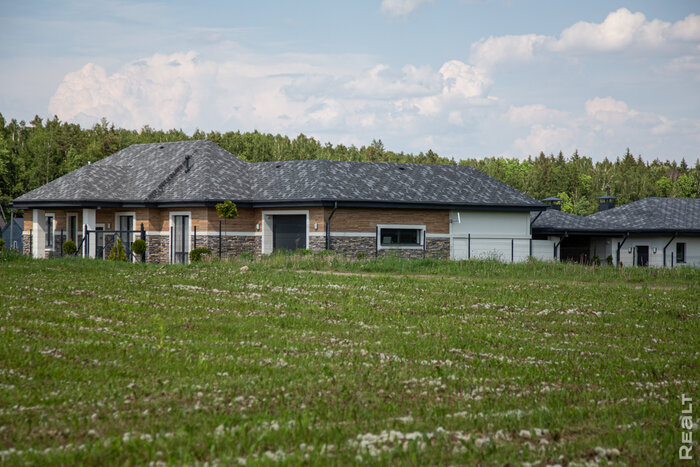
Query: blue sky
x,y
465,78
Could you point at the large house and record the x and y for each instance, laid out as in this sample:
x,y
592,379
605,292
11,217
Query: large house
x,y
662,232
166,194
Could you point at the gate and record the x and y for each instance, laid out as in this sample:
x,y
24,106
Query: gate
x,y
104,240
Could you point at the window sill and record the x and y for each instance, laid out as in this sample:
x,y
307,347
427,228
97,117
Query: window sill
x,y
400,247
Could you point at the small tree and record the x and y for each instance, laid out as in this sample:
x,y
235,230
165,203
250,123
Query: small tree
x,y
118,252
69,247
227,210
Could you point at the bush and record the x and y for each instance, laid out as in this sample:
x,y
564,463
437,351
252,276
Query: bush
x,y
197,253
2,245
361,256
69,247
608,260
118,252
139,246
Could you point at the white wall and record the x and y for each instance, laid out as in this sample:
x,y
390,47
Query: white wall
x,y
490,233
692,249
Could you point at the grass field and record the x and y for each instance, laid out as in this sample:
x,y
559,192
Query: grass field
x,y
319,360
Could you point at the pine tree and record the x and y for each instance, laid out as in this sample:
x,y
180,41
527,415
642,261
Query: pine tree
x,y
118,252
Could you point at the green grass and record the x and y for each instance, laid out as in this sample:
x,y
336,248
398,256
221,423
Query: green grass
x,y
319,360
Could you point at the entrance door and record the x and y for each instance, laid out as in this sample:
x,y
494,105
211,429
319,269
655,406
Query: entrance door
x,y
181,239
288,232
642,256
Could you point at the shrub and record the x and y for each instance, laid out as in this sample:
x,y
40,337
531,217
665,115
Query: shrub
x,y
69,247
608,260
139,246
2,245
596,260
197,253
118,252
361,256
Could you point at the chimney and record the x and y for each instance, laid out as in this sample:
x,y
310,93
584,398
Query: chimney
x,y
606,202
553,203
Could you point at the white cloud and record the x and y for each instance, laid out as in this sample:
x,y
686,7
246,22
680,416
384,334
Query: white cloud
x,y
620,30
398,8
609,111
494,50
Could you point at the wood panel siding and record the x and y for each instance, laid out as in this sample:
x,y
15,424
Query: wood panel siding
x,y
366,220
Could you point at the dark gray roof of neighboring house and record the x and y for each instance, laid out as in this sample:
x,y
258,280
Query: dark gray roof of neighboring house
x,y
648,215
156,174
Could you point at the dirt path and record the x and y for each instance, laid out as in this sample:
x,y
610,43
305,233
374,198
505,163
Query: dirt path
x,y
443,276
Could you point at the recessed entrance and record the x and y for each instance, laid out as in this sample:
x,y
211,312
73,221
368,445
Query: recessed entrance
x,y
288,232
642,255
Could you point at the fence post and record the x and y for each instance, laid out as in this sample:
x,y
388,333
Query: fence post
x,y
469,246
172,246
195,237
143,237
86,240
61,237
512,250
530,246
219,238
671,259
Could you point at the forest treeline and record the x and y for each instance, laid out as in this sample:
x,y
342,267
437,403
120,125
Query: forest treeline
x,y
34,153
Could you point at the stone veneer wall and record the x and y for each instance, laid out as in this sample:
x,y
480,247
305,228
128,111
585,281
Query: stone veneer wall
x,y
317,243
157,249
27,244
231,245
352,246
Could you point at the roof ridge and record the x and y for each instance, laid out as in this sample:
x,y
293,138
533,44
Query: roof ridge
x,y
166,180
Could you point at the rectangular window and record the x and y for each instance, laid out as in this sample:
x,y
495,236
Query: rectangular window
x,y
401,236
73,228
49,243
680,252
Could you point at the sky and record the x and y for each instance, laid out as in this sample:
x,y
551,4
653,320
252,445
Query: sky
x,y
464,78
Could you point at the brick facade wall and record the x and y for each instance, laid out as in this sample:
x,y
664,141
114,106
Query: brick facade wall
x,y
205,219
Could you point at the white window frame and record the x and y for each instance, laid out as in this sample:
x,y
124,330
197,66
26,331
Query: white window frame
x,y
267,226
421,236
116,227
171,224
77,227
52,246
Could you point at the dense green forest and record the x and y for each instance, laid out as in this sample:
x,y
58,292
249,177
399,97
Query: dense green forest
x,y
34,153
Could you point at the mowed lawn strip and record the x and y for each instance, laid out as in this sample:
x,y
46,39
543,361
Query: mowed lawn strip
x,y
451,363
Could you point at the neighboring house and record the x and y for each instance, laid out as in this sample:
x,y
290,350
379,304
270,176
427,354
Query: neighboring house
x,y
661,232
171,189
13,239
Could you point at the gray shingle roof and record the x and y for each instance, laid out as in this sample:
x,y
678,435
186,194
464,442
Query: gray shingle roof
x,y
647,215
157,173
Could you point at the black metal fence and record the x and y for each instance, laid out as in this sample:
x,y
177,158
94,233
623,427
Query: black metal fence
x,y
106,240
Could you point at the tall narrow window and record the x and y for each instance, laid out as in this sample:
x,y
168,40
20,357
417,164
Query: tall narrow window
x,y
180,240
49,244
680,252
126,227
73,228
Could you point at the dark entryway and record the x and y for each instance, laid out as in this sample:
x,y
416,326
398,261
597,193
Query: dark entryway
x,y
642,256
575,249
289,232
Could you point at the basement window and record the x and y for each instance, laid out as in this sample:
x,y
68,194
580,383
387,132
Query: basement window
x,y
401,236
